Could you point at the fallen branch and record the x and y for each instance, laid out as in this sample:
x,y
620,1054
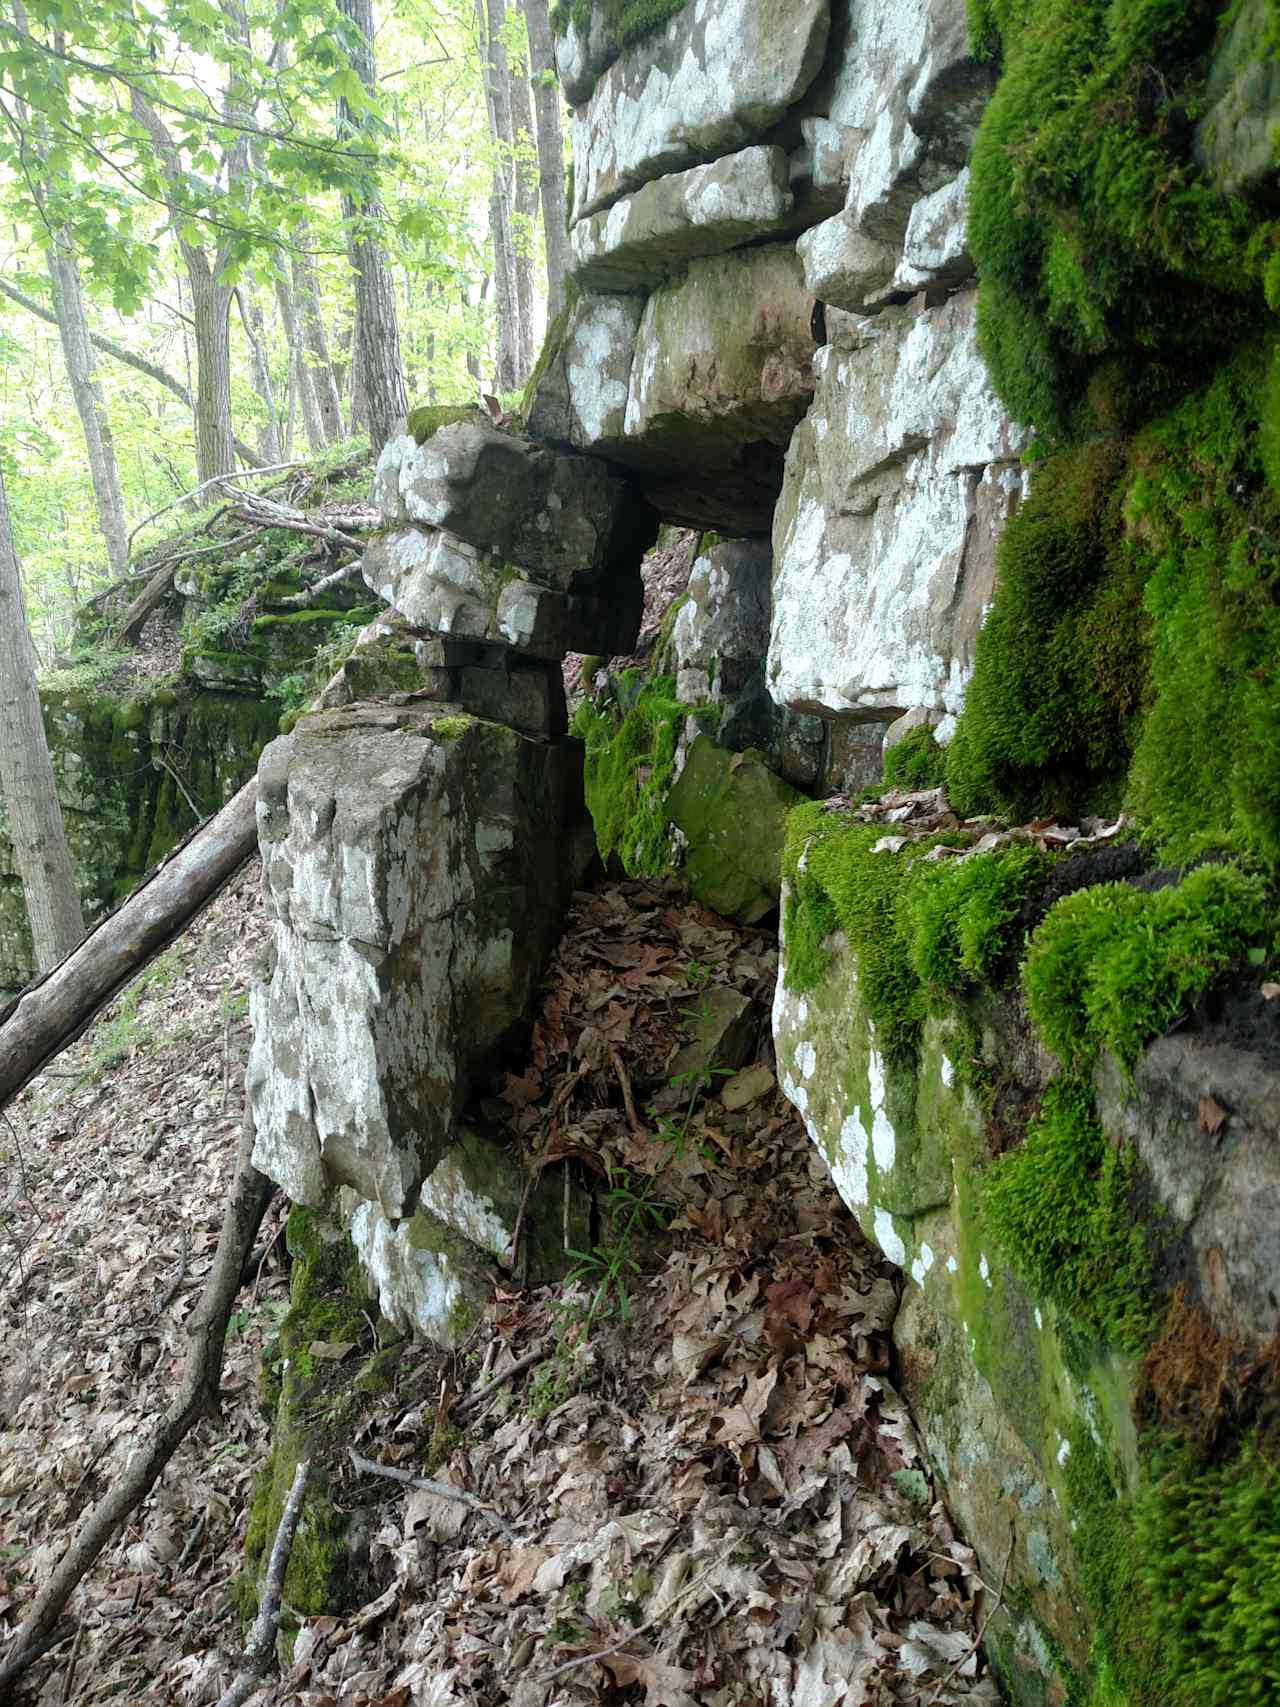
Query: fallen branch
x,y
309,595
262,1640
213,480
629,1101
135,618
199,1396
442,1490
469,1401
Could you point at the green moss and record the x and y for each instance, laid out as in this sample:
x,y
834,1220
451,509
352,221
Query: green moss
x,y
1111,967
919,929
1061,661
630,765
1060,1207
451,728
627,21
428,418
1197,1554
916,761
1097,236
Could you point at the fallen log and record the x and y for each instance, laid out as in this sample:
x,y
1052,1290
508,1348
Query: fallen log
x,y
52,1012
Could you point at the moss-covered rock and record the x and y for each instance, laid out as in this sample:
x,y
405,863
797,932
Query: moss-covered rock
x,y
731,810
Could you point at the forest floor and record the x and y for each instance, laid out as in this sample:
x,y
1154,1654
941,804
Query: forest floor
x,y
707,1492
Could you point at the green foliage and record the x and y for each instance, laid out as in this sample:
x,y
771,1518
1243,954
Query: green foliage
x,y
1097,236
916,761
86,670
921,930
1061,661
1060,1205
625,21
630,766
1111,967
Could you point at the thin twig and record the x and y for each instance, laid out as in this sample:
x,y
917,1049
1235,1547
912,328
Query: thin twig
x,y
262,1641
443,1490
663,1612
469,1401
986,1619
171,1292
214,480
627,1098
199,816
68,1677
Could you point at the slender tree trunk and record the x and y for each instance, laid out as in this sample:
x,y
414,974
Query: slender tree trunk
x,y
379,362
77,350
501,197
546,105
26,775
211,312
325,378
301,390
255,331
526,213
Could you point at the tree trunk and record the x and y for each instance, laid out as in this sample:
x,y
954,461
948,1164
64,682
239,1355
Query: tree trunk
x,y
324,372
501,198
53,1012
211,312
77,350
378,361
256,332
301,388
526,214
546,104
26,775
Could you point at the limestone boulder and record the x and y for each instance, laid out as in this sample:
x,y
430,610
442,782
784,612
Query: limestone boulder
x,y
644,238
568,522
582,56
935,250
716,77
897,486
846,268
415,867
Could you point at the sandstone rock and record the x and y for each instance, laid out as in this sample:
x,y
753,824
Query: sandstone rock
x,y
732,809
580,397
1220,1190
717,76
846,268
909,86
566,521
721,631
581,59
643,238
897,485
722,373
415,868
936,249
439,584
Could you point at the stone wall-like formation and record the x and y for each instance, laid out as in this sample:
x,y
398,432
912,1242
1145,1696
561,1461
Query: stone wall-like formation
x,y
805,283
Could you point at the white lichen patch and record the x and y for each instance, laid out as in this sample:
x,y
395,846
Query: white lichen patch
x,y
922,1264
887,1237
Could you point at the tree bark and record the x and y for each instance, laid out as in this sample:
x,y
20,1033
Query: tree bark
x,y
301,390
77,351
54,1011
211,311
526,215
26,775
377,354
256,332
501,196
546,104
323,370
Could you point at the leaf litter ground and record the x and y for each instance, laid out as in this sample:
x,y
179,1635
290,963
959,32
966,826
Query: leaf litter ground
x,y
709,1492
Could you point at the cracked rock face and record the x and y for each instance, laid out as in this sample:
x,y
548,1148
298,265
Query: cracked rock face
x,y
898,485
717,76
415,864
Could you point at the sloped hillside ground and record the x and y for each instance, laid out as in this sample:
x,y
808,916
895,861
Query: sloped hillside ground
x,y
706,1490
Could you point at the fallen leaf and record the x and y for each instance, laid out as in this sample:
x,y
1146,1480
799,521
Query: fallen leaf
x,y
1213,1117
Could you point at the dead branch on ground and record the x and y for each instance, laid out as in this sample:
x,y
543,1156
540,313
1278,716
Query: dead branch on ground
x,y
262,1641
